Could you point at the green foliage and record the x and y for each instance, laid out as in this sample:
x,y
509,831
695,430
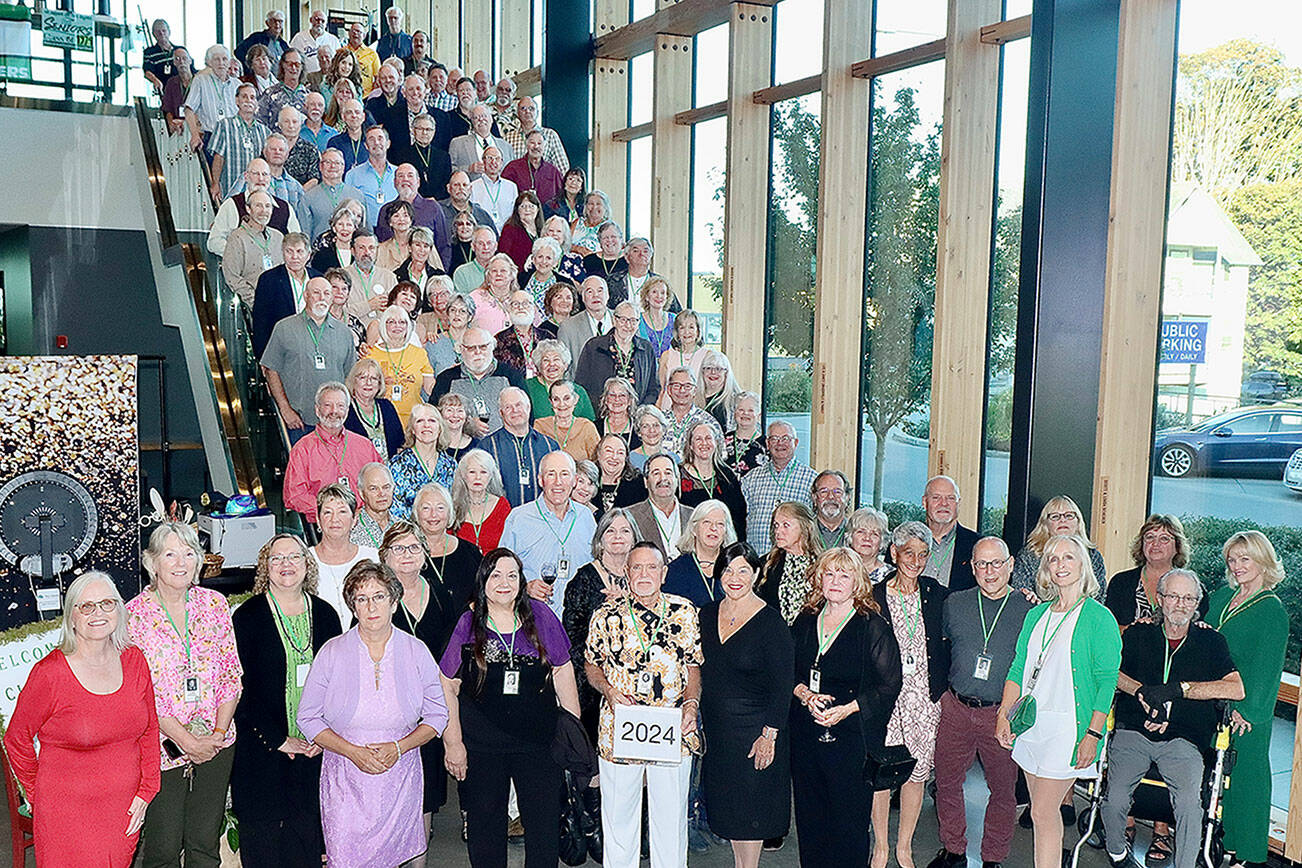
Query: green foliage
x,y
793,224
790,390
999,421
1006,267
1270,216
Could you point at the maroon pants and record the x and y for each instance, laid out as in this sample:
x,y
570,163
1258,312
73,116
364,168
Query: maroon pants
x,y
965,733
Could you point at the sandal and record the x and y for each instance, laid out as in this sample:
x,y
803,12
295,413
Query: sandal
x,y
1160,851
1130,836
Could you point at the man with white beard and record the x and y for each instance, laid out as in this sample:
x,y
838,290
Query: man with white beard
x,y
515,343
479,380
831,496
329,454
304,351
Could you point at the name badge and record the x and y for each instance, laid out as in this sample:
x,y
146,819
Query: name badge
x,y
318,361
300,673
379,196
909,664
267,263
524,476
645,681
563,569
815,681
511,683
396,392
343,480
982,670
648,733
191,689
481,409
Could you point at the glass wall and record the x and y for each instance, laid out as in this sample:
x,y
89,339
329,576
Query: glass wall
x,y
1009,175
905,23
1228,445
709,165
797,46
792,244
638,221
900,296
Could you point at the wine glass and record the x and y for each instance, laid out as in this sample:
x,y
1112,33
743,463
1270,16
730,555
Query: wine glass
x,y
826,737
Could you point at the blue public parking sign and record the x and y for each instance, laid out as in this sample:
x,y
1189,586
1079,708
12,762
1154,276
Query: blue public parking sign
x,y
1184,341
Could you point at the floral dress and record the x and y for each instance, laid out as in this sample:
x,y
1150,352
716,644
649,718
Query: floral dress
x,y
914,720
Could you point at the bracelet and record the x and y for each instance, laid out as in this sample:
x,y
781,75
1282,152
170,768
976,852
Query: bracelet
x,y
1094,733
218,731
398,748
769,733
693,700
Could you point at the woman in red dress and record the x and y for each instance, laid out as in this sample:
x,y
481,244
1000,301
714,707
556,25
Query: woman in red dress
x,y
91,703
477,497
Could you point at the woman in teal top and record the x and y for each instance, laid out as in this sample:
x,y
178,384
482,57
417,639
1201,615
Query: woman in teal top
x,y
1073,647
1255,625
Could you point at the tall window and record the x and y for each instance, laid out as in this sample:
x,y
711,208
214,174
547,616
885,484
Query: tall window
x,y
709,164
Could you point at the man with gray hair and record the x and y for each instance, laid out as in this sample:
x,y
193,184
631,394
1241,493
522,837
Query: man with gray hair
x,y
480,380
329,454
831,497
305,350
518,448
950,562
1166,713
376,483
211,97
784,478
981,625
467,151
236,141
232,211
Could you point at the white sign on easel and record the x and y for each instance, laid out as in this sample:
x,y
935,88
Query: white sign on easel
x,y
648,733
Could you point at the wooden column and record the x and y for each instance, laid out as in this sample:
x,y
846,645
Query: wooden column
x,y
477,37
746,184
517,32
842,210
419,17
1141,146
671,160
967,180
445,32
609,112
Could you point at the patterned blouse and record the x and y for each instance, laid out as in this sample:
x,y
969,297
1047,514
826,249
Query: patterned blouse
x,y
410,473
625,638
743,456
212,655
793,585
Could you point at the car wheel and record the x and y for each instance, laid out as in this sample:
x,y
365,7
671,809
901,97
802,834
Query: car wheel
x,y
1176,461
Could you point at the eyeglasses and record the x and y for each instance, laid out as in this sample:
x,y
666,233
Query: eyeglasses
x,y
712,369
989,565
373,600
89,607
625,319
1158,538
1061,516
412,549
1182,599
781,438
292,558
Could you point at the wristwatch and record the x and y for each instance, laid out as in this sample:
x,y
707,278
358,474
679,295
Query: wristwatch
x,y
1184,688
770,733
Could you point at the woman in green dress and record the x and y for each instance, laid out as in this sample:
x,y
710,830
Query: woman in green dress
x,y
1255,624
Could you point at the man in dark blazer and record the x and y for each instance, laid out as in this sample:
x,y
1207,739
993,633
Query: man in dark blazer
x,y
279,291
661,518
950,563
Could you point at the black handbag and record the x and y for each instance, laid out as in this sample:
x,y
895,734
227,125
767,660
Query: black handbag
x,y
885,768
574,843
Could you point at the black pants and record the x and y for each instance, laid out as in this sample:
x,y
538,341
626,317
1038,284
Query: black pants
x,y
294,842
187,816
833,803
484,795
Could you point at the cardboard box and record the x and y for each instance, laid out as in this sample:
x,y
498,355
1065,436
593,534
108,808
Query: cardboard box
x,y
239,539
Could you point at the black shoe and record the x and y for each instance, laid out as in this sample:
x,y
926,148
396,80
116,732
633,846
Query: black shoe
x,y
1066,858
992,865
590,821
946,859
1068,815
773,845
1025,820
1126,861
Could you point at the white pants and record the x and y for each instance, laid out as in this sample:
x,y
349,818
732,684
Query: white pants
x,y
621,812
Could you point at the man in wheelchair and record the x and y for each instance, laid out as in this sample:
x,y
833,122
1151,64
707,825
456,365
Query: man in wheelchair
x,y
1172,674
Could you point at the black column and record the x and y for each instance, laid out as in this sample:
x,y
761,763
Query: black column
x,y
566,74
1063,258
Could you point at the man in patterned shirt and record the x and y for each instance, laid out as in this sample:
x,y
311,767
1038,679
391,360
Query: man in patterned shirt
x,y
526,115
783,478
645,650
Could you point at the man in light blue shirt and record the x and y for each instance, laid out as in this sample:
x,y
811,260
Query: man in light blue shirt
x,y
374,177
553,534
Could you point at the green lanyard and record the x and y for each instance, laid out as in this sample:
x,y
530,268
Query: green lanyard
x,y
388,353
560,539
306,650
297,289
981,609
704,578
339,461
410,620
184,637
825,641
911,620
781,478
934,561
1169,655
316,342
419,460
361,520
1252,600
660,525
510,649
637,626
1044,645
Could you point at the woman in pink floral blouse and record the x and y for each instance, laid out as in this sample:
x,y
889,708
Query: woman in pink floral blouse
x,y
186,635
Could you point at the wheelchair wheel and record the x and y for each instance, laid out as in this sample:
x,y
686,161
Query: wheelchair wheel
x,y
1095,839
1217,849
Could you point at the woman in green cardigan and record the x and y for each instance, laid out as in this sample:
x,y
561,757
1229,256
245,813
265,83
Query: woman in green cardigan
x,y
1255,624
1073,646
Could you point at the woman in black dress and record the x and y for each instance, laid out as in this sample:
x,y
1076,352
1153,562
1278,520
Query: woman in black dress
x,y
749,657
705,474
847,673
618,484
450,562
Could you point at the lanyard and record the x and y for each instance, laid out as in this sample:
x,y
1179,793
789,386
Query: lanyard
x,y
1044,645
560,539
424,158
637,627
493,196
421,461
297,289
379,177
911,619
478,528
934,561
361,520
339,459
981,608
367,422
568,431
708,486
825,641
388,352
410,620
704,578
510,649
363,280
316,341
306,650
264,246
184,637
1252,600
665,532
357,149
781,478
1168,655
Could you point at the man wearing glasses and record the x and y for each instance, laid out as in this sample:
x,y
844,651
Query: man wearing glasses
x,y
981,625
1171,677
784,478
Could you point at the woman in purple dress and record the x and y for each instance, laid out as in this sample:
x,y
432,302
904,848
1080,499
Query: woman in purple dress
x,y
371,699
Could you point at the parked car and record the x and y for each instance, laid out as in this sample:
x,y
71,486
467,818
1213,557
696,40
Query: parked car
x,y
1293,471
1264,387
1249,441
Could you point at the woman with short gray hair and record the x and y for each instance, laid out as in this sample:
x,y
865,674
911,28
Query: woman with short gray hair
x,y
551,359
90,703
868,533
651,426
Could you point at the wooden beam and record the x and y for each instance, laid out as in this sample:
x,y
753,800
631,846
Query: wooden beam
x,y
517,37
967,181
842,211
476,36
746,191
445,33
1004,32
609,113
528,82
684,18
704,113
671,160
790,90
629,134
1141,153
887,63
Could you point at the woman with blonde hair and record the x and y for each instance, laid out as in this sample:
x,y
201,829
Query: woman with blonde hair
x,y
407,372
1060,685
420,461
1059,517
1254,621
785,580
494,295
847,666
719,389
656,323
479,500
686,350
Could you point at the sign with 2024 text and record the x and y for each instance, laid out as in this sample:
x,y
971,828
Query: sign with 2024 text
x,y
1184,341
648,733
67,30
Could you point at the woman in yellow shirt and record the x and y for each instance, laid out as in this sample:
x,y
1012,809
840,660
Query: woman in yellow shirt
x,y
407,371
